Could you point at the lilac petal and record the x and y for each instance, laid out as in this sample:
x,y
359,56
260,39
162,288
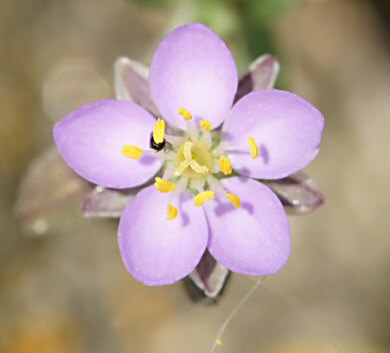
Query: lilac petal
x,y
286,128
50,196
90,141
209,277
157,251
192,68
131,83
261,75
108,203
298,192
253,239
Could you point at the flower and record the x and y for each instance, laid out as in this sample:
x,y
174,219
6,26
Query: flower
x,y
204,195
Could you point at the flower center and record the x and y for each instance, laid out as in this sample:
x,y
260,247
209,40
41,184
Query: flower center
x,y
193,160
190,161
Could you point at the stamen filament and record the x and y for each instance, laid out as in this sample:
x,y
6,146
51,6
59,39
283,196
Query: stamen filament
x,y
181,185
253,147
159,131
131,151
216,185
225,165
202,197
198,185
172,212
169,170
192,130
206,139
234,199
174,140
164,185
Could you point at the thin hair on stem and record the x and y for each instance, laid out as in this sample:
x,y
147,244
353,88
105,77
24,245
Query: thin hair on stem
x,y
233,313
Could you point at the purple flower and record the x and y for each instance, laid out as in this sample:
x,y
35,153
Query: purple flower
x,y
204,196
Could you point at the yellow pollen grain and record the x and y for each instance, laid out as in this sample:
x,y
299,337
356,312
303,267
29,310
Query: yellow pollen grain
x,y
164,185
219,342
131,151
172,212
205,125
253,147
202,197
234,199
225,165
185,113
159,131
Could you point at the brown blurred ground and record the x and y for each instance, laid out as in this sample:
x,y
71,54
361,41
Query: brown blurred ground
x,y
69,292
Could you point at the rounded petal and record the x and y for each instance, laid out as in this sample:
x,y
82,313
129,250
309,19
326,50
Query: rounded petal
x,y
253,239
90,141
286,128
157,251
192,68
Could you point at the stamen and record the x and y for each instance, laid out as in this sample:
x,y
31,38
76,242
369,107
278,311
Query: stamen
x,y
174,140
192,130
169,170
206,139
205,125
164,185
202,197
216,185
234,199
225,165
159,131
185,113
172,212
131,151
181,185
198,184
253,147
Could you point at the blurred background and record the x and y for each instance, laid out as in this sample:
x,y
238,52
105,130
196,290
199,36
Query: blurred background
x,y
63,287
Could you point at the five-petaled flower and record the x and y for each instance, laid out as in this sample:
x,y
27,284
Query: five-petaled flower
x,y
204,195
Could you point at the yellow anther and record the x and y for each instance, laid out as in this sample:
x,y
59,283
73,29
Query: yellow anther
x,y
164,185
225,165
219,342
159,131
185,113
205,125
202,197
253,147
172,212
234,199
131,151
